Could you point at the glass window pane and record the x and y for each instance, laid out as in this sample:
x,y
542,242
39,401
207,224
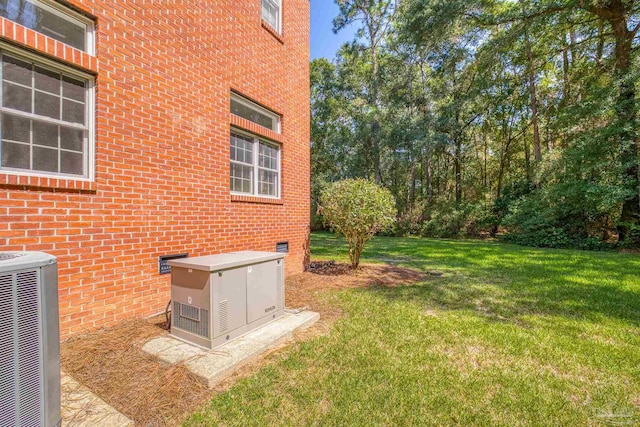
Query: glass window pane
x,y
32,15
16,71
270,12
37,144
72,111
71,139
72,88
15,128
267,182
45,134
47,105
241,178
268,157
16,97
71,163
15,155
47,80
241,149
253,115
45,159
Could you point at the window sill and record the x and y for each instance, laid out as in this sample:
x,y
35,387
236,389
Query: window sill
x,y
272,31
256,199
34,182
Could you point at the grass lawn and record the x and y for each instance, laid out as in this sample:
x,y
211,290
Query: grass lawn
x,y
506,335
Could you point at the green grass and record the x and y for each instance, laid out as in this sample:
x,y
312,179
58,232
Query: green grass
x,y
507,335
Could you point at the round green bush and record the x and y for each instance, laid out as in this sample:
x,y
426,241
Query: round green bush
x,y
357,209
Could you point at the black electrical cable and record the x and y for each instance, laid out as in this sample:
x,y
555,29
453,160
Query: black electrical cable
x,y
167,315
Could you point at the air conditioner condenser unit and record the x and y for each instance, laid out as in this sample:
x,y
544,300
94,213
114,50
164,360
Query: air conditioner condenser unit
x,y
29,340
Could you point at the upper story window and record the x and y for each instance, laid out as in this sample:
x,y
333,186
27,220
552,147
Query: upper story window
x,y
272,13
52,20
254,113
45,118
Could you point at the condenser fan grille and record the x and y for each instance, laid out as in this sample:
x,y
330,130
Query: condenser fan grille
x,y
20,350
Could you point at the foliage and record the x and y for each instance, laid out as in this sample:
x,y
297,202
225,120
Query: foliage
x,y
455,221
464,109
357,209
496,335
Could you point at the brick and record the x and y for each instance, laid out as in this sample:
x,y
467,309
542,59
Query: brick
x,y
162,152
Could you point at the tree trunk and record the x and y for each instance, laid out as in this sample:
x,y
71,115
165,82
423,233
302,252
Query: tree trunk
x,y
527,160
566,86
429,174
537,152
457,164
616,13
627,113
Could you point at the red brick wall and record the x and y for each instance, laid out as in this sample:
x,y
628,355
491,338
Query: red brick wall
x,y
164,73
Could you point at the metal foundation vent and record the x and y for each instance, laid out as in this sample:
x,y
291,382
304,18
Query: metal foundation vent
x,y
191,319
21,364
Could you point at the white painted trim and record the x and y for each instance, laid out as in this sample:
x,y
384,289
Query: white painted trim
x,y
278,4
256,156
73,17
89,127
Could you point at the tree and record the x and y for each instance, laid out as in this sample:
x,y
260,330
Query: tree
x,y
478,110
357,209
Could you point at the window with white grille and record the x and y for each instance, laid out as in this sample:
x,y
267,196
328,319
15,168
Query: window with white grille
x,y
255,166
45,118
272,12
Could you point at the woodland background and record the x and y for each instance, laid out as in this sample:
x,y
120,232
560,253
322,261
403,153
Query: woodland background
x,y
515,119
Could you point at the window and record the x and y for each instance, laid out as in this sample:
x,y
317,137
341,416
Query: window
x,y
255,166
52,20
254,113
45,120
271,13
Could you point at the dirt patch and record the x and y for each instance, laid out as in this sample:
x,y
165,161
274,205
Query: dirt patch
x,y
111,362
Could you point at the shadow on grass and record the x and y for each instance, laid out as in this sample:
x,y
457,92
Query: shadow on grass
x,y
504,282
501,303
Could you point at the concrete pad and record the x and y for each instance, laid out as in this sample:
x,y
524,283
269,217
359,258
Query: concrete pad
x,y
82,408
215,365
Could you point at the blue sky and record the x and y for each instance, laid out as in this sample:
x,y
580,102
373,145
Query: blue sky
x,y
324,44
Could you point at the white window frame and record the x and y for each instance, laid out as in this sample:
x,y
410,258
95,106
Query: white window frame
x,y
278,4
255,157
72,16
89,149
252,105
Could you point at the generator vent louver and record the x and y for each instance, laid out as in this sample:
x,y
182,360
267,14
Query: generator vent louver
x,y
223,308
186,317
29,341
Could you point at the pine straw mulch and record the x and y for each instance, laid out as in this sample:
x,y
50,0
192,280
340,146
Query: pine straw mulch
x,y
111,363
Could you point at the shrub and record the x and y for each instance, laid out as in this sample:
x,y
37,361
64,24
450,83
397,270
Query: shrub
x,y
559,217
357,209
451,221
446,224
410,222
